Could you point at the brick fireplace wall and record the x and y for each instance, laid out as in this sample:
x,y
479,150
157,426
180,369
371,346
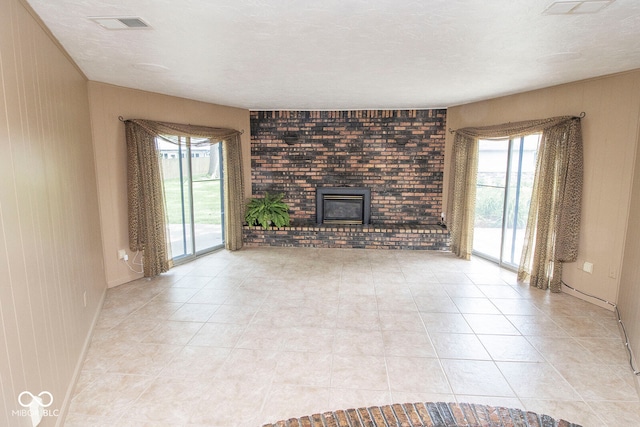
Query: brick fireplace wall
x,y
398,154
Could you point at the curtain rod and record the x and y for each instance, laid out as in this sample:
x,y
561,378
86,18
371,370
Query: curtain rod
x,y
122,119
582,115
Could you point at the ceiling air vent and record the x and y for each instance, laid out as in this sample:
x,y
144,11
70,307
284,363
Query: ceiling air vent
x,y
120,23
577,7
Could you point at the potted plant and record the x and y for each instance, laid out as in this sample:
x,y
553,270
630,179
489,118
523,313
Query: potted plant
x,y
267,211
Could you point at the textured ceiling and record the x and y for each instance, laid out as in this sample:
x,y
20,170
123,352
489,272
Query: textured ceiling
x,y
344,54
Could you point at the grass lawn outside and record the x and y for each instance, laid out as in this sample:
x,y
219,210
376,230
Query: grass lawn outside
x,y
207,200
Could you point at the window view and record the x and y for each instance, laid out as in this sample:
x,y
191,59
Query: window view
x,y
506,170
192,178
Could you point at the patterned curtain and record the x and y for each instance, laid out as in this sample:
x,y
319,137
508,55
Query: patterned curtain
x,y
553,226
147,231
147,217
233,192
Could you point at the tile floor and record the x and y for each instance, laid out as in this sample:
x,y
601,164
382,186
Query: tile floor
x,y
255,336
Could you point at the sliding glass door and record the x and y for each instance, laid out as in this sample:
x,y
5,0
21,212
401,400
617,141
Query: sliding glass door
x,y
192,177
503,194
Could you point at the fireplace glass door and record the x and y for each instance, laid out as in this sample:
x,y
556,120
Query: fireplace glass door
x,y
343,209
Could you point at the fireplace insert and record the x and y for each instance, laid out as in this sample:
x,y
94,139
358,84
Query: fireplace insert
x,y
343,205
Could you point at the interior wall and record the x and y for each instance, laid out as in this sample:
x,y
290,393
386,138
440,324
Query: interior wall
x,y
629,299
612,106
51,274
107,103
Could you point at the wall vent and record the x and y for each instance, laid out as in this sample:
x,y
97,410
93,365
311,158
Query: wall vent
x,y
120,23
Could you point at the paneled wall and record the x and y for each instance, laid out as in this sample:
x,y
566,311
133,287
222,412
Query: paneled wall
x,y
398,154
629,298
51,275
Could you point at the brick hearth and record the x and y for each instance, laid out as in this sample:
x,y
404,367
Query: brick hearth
x,y
427,237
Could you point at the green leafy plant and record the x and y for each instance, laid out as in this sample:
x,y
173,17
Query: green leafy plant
x,y
267,211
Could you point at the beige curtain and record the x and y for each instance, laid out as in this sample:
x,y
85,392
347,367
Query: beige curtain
x,y
147,232
147,218
462,194
553,225
233,192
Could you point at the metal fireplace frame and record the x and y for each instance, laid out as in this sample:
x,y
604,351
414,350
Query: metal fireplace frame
x,y
363,192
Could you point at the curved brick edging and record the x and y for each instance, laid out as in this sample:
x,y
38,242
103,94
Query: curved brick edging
x,y
418,237
426,414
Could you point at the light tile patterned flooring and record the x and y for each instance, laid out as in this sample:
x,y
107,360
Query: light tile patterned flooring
x,y
255,336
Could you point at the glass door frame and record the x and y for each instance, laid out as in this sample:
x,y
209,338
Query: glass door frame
x,y
503,228
190,253
222,211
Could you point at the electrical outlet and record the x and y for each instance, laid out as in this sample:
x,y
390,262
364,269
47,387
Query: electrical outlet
x,y
613,272
122,253
587,267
